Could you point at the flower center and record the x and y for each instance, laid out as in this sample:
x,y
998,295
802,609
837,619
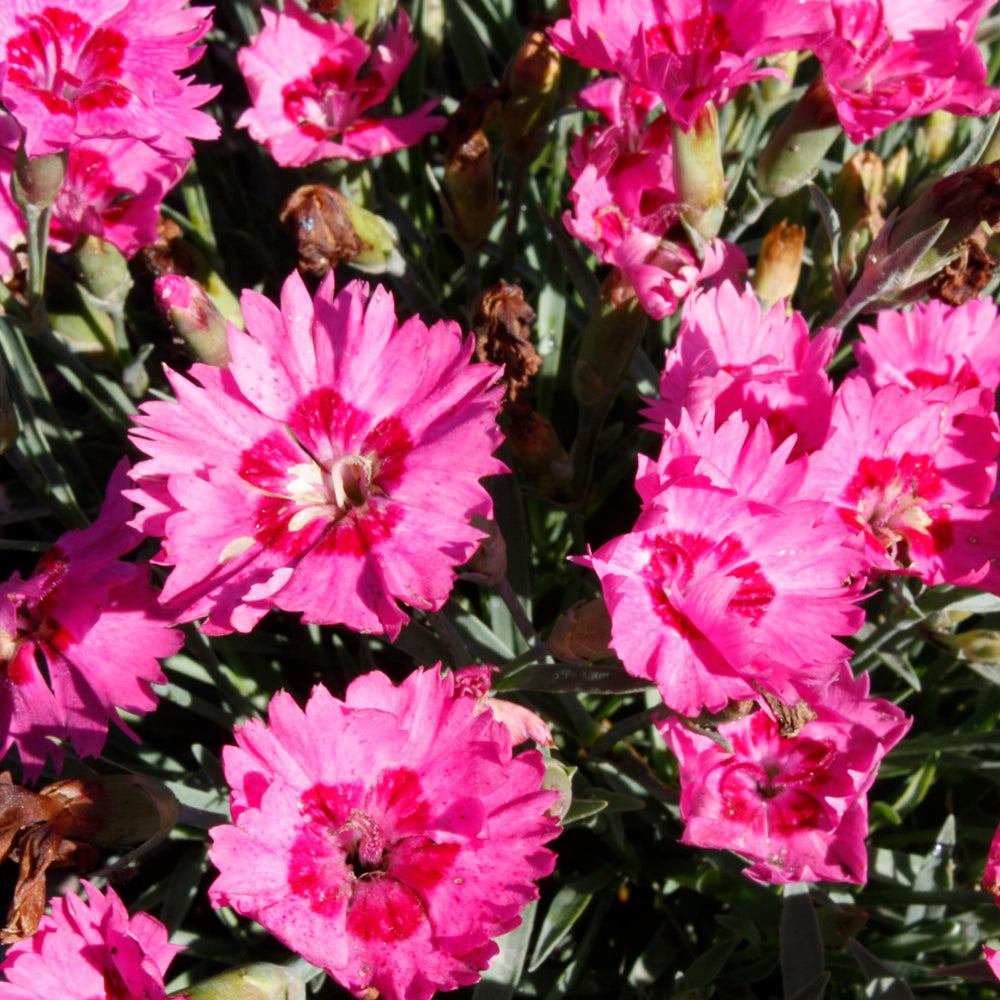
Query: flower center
x,y
331,491
367,855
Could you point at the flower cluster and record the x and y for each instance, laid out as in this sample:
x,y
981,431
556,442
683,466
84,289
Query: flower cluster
x,y
776,498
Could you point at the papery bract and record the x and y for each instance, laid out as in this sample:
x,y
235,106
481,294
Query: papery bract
x,y
702,590
388,837
688,52
795,807
91,950
341,470
912,472
932,344
311,83
887,60
730,356
80,639
104,68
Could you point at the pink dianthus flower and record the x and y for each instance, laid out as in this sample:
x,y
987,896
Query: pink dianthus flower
x,y
312,81
912,473
386,838
702,590
113,189
796,807
80,639
625,204
89,950
932,344
103,68
689,52
887,60
729,357
340,470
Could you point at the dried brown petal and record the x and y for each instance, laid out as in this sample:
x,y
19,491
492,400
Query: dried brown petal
x,y
967,275
324,6
791,718
320,223
501,321
169,254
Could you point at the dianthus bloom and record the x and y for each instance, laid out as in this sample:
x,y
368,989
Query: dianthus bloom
x,y
103,68
311,82
731,357
80,639
932,344
340,471
795,806
89,950
688,51
625,207
113,189
702,590
386,838
887,60
912,473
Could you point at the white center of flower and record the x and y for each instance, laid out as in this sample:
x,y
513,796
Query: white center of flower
x,y
332,491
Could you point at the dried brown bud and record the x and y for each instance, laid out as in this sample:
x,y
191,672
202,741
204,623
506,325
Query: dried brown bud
x,y
488,565
791,718
583,634
968,274
501,321
170,254
535,447
534,89
779,263
320,223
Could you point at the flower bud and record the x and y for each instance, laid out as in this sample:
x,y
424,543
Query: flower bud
x,y
470,197
192,314
896,168
937,135
112,810
779,263
105,272
558,778
38,181
258,981
609,339
583,633
794,151
501,321
533,80
857,196
488,565
698,173
535,448
366,15
320,223
773,88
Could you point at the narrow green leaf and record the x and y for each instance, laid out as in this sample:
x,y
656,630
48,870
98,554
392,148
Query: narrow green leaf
x,y
801,944
501,978
565,910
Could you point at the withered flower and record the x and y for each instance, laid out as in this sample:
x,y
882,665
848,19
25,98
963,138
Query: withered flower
x,y
501,321
319,220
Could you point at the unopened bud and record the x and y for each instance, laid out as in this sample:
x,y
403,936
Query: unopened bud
x,y
794,151
857,196
616,324
980,645
583,634
189,310
259,981
105,272
535,448
779,263
558,778
896,168
470,197
534,90
115,809
38,181
367,16
937,135
773,88
698,173
488,564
